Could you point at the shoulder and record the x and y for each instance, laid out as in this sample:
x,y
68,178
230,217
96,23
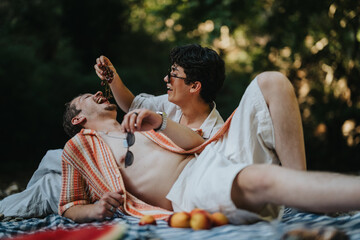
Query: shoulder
x,y
150,97
212,123
154,103
80,139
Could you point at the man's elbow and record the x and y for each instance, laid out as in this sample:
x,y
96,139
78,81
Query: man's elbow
x,y
76,215
68,213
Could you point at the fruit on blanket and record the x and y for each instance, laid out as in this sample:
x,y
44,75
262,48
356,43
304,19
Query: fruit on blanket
x,y
200,219
199,210
147,220
219,219
179,220
197,219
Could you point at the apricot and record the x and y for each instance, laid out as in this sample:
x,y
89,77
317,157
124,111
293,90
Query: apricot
x,y
179,220
219,219
200,220
198,210
147,220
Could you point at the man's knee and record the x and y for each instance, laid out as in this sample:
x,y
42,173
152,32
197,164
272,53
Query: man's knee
x,y
251,185
273,80
267,79
255,178
274,84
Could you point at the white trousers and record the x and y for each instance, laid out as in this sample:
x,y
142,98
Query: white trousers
x,y
206,181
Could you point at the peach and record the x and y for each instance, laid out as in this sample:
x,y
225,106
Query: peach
x,y
200,221
179,220
197,210
147,220
219,219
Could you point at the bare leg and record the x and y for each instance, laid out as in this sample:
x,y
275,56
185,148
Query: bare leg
x,y
284,110
322,192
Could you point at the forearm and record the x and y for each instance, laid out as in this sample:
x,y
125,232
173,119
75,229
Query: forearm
x,y
104,208
182,136
81,213
145,120
123,96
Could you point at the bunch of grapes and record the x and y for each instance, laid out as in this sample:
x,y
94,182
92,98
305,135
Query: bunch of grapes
x,y
108,78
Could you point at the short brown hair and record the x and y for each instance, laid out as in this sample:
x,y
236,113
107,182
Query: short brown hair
x,y
70,112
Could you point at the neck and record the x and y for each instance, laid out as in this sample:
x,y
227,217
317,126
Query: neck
x,y
104,125
194,114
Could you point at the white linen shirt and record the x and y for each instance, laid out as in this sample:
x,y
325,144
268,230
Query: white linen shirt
x,y
161,103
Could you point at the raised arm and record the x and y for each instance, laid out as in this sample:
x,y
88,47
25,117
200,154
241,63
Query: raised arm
x,y
145,120
122,94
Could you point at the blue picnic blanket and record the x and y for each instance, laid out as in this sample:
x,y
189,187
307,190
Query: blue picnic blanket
x,y
291,220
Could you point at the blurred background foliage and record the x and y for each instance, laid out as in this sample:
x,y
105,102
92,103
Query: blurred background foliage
x,y
48,49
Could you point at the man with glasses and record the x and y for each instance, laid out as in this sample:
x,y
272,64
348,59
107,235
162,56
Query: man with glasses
x,y
195,77
236,176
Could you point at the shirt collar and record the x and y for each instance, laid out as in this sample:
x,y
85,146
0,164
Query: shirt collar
x,y
87,131
208,125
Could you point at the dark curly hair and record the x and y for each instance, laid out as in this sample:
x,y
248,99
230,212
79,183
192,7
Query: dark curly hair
x,y
70,112
200,64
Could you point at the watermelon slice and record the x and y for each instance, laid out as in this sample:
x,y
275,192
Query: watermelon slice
x,y
106,232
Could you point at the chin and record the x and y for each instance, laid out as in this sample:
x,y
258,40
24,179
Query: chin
x,y
111,107
171,99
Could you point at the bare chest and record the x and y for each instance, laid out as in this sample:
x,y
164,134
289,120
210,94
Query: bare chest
x,y
116,145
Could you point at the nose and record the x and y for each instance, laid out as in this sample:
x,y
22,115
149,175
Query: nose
x,y
98,93
167,78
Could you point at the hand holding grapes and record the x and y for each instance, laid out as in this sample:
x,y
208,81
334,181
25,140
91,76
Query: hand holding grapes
x,y
105,70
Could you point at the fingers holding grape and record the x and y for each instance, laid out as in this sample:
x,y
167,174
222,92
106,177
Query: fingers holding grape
x,y
107,73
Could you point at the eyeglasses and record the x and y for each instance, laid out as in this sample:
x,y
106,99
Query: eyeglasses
x,y
127,143
174,76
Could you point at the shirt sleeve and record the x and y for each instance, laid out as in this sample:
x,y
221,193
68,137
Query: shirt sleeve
x,y
73,190
161,103
151,102
212,123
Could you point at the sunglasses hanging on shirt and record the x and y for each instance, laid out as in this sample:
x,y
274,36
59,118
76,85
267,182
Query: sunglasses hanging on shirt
x,y
127,143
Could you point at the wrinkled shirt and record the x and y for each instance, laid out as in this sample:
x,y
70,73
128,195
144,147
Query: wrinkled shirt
x,y
89,170
161,103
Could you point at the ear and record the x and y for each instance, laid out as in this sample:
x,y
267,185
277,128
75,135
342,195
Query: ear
x,y
196,87
78,120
